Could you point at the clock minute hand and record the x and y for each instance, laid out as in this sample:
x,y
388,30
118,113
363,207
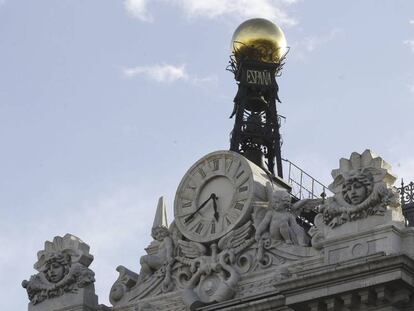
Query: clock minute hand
x,y
198,209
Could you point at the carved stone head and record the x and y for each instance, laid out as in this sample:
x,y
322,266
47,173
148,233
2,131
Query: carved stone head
x,y
64,263
159,233
357,179
357,187
56,266
280,200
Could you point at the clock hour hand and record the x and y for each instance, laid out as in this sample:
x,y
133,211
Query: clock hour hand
x,y
191,216
216,215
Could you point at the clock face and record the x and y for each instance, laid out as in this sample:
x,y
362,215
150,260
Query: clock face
x,y
214,196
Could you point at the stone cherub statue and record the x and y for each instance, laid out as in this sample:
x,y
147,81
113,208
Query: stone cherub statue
x,y
279,220
63,268
164,254
156,265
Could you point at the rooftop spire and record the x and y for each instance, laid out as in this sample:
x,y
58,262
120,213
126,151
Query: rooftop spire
x,y
160,219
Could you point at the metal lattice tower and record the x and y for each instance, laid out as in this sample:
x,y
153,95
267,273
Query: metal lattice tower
x,y
256,129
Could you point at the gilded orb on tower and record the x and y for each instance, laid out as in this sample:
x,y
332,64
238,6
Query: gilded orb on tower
x,y
259,39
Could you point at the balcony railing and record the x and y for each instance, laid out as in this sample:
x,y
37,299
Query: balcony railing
x,y
407,202
304,186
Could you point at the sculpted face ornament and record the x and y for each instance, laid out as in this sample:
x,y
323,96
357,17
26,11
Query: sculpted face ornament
x,y
63,268
362,187
56,267
356,189
55,273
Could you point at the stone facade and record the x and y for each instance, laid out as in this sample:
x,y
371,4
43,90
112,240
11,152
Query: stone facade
x,y
358,255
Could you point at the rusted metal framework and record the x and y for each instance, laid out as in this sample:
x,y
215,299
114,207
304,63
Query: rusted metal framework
x,y
256,128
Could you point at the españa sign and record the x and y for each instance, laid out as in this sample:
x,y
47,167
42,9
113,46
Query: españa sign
x,y
259,77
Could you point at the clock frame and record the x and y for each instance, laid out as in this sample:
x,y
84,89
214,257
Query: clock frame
x,y
235,181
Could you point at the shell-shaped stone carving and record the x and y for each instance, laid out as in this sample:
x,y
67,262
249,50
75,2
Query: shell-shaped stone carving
x,y
63,268
362,187
365,163
68,244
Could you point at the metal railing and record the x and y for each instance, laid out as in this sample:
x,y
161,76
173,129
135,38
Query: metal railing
x,y
304,186
407,202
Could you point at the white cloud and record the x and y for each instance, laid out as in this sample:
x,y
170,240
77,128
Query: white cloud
x,y
410,44
169,73
271,9
159,73
311,43
243,8
137,9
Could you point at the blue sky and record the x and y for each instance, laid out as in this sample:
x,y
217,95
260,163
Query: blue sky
x,y
105,104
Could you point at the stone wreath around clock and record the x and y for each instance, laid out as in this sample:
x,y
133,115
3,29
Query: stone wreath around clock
x,y
215,195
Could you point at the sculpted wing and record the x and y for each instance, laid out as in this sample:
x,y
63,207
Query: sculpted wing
x,y
192,249
236,238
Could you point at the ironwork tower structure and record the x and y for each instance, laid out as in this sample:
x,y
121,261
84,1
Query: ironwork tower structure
x,y
256,128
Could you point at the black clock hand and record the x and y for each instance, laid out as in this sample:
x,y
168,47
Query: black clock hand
x,y
198,209
216,215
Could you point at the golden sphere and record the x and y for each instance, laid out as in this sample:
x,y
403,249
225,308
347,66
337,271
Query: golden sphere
x,y
259,39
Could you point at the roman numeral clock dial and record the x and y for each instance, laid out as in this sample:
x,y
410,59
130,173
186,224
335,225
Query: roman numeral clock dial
x,y
214,196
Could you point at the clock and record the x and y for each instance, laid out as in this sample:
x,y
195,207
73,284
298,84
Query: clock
x,y
216,195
